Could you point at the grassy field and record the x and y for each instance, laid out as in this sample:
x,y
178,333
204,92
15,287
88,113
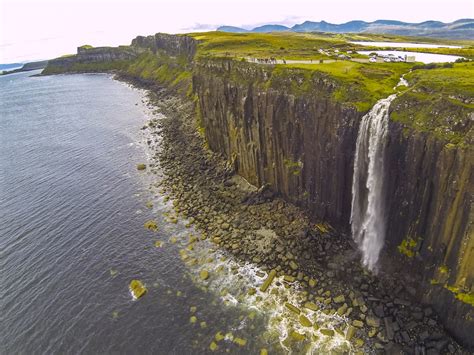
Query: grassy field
x,y
440,101
265,45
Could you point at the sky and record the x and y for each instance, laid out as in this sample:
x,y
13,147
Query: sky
x,y
43,29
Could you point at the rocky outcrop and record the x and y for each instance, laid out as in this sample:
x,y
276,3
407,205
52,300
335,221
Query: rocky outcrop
x,y
172,45
87,56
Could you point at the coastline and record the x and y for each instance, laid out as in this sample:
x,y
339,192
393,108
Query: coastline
x,y
256,227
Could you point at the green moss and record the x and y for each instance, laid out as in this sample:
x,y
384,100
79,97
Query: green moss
x,y
294,167
462,296
408,247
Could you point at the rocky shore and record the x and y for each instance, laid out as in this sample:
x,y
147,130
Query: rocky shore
x,y
253,225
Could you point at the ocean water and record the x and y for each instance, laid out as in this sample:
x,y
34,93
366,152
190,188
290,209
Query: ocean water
x,y
71,229
72,237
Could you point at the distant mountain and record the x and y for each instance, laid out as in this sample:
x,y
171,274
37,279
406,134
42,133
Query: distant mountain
x,y
460,29
271,28
232,29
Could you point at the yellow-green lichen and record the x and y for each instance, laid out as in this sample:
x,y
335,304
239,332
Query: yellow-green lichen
x,y
408,247
465,297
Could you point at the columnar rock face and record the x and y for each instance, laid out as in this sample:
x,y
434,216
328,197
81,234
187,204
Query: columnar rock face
x,y
430,205
172,45
303,145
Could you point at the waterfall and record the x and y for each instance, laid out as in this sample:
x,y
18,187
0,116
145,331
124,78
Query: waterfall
x,y
368,209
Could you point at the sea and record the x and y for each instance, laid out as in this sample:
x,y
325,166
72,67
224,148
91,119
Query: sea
x,y
73,209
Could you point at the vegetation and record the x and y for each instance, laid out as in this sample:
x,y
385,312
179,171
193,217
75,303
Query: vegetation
x,y
439,101
265,45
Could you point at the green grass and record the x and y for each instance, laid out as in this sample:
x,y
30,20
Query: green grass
x,y
264,45
360,84
440,101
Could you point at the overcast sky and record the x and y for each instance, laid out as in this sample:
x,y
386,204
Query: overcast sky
x,y
42,29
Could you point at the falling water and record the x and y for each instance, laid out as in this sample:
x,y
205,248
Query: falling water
x,y
368,209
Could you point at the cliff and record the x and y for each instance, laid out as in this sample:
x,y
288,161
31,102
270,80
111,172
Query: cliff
x,y
90,59
296,130
302,142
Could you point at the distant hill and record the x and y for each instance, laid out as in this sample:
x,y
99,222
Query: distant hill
x,y
27,67
271,28
460,29
10,66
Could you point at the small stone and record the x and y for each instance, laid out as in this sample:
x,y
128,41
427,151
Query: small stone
x,y
292,308
193,309
297,336
359,343
204,274
305,322
357,323
252,291
293,265
312,306
240,341
193,319
350,332
268,281
289,278
312,283
158,244
263,351
141,166
327,332
203,325
225,226
341,310
213,346
339,299
219,336
151,225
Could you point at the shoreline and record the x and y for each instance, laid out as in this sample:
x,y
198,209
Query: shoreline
x,y
255,226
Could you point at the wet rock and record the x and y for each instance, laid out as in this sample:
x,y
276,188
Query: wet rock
x,y
312,306
204,274
151,225
304,321
141,166
137,288
297,336
327,332
268,281
292,308
342,310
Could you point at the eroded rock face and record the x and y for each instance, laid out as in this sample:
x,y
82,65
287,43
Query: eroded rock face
x,y
301,145
173,45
